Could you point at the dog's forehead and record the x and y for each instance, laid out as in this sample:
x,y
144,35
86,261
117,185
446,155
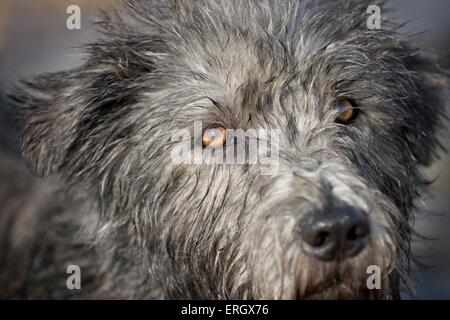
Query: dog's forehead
x,y
257,72
246,76
258,42
285,77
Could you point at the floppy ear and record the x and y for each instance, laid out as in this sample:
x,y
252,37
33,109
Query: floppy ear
x,y
427,107
47,117
67,121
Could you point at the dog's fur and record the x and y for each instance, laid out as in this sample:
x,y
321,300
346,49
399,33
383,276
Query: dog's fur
x,y
140,226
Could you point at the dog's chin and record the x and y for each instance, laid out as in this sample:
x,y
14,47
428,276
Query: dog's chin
x,y
339,291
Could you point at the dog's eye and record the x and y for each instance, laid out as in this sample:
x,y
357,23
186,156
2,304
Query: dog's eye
x,y
214,137
346,110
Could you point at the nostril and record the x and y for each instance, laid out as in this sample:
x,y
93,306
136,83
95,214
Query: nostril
x,y
320,239
357,232
352,233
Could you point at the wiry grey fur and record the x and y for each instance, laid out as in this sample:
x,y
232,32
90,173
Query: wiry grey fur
x,y
140,226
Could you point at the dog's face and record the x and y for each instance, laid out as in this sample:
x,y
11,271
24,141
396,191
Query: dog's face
x,y
357,114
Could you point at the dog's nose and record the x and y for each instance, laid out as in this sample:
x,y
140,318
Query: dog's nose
x,y
334,234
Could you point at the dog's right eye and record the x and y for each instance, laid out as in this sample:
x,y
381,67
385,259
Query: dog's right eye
x,y
214,137
347,111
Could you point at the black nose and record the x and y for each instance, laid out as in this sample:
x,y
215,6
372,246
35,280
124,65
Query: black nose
x,y
334,234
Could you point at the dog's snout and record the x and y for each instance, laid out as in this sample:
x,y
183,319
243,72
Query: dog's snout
x,y
334,234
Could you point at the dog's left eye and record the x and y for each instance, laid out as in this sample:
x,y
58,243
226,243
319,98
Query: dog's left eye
x,y
347,111
214,137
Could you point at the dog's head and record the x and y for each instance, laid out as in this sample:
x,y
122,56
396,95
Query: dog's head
x,y
349,115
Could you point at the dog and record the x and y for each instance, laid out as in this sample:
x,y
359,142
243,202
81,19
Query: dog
x,y
358,111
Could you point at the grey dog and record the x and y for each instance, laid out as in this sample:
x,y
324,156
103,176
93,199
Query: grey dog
x,y
359,112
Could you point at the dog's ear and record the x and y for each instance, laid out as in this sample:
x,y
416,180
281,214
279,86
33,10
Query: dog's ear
x,y
426,107
62,117
47,117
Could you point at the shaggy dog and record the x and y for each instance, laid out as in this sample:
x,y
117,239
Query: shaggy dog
x,y
358,112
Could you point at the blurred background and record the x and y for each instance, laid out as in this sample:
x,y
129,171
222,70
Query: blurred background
x,y
34,39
